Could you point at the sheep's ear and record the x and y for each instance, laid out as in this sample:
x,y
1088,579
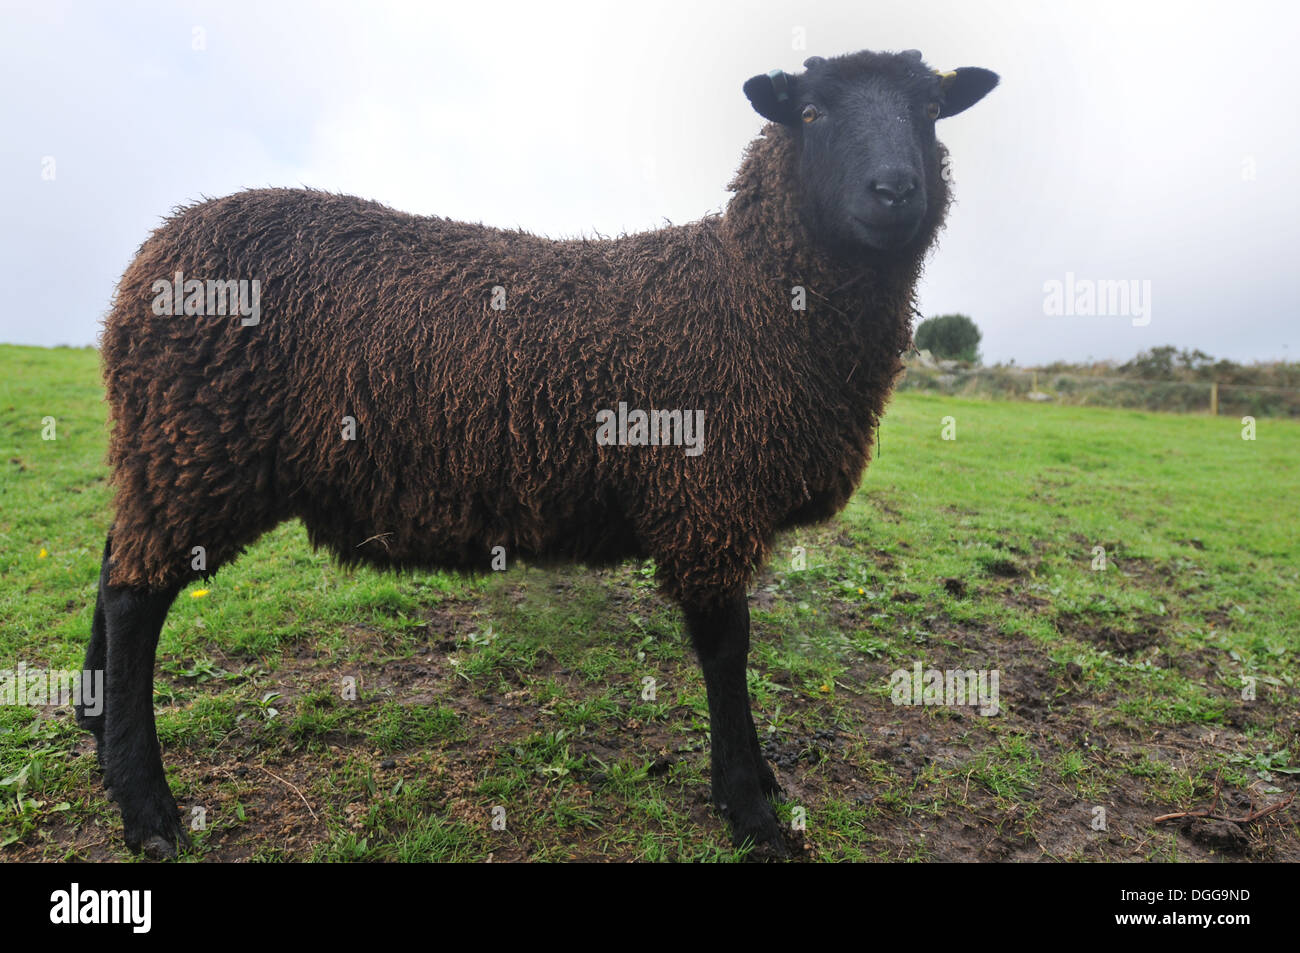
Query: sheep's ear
x,y
772,96
963,88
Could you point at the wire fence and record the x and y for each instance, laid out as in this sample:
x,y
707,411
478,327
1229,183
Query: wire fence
x,y
1177,396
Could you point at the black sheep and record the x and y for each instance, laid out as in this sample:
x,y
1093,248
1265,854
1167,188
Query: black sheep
x,y
475,366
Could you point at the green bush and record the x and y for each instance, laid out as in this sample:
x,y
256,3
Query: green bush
x,y
949,336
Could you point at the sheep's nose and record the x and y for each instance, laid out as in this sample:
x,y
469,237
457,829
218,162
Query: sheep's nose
x,y
895,188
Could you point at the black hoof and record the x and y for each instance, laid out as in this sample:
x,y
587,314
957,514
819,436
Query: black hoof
x,y
759,828
753,822
159,848
92,723
154,829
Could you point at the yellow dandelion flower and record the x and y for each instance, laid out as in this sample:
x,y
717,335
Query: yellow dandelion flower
x,y
199,593
43,553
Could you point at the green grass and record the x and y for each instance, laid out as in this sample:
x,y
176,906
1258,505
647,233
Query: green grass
x,y
311,712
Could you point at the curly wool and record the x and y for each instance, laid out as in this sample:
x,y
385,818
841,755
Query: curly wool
x,y
475,427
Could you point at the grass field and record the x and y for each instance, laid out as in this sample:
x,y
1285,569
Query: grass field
x,y
522,696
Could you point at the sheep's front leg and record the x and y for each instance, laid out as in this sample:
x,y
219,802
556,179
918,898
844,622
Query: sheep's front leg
x,y
742,780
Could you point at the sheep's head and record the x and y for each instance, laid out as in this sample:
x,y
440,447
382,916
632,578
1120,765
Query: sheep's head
x,y
864,132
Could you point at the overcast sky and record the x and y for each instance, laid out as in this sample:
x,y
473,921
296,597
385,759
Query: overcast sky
x,y
1145,141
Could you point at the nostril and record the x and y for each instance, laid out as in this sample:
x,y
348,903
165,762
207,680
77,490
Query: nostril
x,y
894,190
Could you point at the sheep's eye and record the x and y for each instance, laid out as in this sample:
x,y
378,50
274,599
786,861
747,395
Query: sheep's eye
x,y
932,110
809,113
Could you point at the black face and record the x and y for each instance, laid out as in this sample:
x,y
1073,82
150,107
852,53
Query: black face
x,y
864,133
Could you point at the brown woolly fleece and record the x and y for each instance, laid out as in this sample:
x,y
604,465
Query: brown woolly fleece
x,y
475,427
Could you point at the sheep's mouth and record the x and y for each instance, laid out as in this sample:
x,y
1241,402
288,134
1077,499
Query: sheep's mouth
x,y
886,236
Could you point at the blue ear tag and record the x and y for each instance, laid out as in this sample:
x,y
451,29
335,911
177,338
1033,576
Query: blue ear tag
x,y
780,85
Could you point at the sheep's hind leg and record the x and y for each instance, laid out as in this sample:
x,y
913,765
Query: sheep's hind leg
x,y
129,752
742,780
96,656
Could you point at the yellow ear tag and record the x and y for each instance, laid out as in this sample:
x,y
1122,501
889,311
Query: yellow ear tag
x,y
945,79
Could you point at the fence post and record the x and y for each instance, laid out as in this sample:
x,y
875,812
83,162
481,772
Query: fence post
x,y
1214,398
